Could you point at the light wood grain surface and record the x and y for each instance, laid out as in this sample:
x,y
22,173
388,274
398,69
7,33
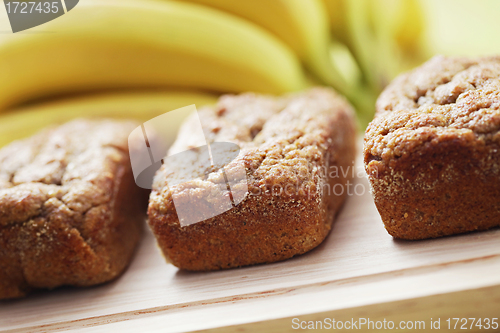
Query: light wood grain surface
x,y
358,271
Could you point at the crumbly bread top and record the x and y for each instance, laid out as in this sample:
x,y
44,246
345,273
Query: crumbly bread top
x,y
65,170
282,140
446,98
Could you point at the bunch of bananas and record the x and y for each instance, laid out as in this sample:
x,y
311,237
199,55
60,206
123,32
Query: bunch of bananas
x,y
141,58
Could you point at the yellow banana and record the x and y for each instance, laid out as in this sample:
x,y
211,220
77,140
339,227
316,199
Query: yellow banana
x,y
363,98
142,44
399,28
25,121
358,16
384,35
338,21
409,29
388,56
302,24
343,59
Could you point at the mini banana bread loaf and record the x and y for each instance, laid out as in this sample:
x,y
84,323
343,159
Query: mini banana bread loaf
x,y
290,148
432,151
70,212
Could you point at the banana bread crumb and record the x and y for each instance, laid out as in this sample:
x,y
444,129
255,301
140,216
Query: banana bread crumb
x,y
70,212
286,144
432,151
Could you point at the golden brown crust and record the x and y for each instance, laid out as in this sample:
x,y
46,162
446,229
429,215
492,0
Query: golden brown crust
x,y
286,146
70,212
431,152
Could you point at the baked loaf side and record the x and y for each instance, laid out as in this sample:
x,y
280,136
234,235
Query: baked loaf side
x,y
432,151
288,146
70,212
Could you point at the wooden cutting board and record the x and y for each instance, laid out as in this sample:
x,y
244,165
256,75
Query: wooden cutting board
x,y
359,271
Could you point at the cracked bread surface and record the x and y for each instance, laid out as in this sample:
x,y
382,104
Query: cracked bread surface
x,y
286,146
432,150
70,212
